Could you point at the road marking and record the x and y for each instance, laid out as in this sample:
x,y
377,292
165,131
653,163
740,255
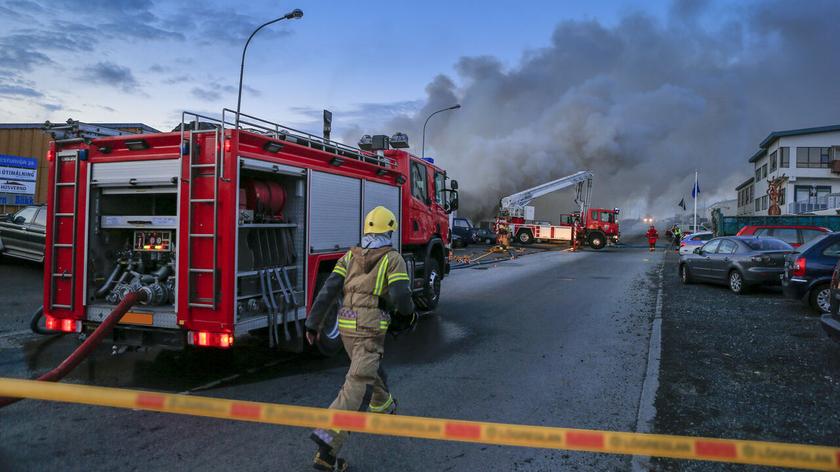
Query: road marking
x,y
613,442
647,407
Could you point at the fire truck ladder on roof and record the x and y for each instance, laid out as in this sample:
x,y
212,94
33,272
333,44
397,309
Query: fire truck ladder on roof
x,y
61,244
198,177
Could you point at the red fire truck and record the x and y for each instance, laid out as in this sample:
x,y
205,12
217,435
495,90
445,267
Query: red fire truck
x,y
592,226
228,230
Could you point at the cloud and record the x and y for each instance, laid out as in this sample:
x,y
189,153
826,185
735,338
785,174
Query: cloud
x,y
20,57
108,73
52,107
19,91
212,92
641,103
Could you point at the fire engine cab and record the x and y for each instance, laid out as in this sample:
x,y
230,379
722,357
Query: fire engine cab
x,y
228,229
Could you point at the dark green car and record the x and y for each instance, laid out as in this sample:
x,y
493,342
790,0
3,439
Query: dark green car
x,y
23,233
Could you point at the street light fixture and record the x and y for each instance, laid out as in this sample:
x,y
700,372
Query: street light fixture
x,y
292,15
423,149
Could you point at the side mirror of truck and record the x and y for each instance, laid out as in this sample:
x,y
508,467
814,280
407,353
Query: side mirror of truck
x,y
19,220
698,251
453,202
454,184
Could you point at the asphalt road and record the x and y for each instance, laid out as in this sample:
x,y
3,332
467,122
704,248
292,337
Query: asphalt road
x,y
554,338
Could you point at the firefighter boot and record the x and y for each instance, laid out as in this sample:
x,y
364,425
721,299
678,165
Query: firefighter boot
x,y
324,460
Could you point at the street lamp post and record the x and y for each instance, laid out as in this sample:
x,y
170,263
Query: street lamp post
x,y
423,148
292,15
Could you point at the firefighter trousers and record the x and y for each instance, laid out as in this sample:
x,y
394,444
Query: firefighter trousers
x,y
364,388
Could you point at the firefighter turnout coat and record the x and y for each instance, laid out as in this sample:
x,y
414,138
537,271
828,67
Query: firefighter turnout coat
x,y
374,283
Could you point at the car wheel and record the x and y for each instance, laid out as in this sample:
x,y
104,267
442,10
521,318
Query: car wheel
x,y
685,275
736,282
820,298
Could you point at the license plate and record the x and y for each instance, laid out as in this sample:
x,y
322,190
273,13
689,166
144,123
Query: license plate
x,y
136,318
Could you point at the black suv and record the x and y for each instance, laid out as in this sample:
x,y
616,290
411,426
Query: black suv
x,y
23,234
464,228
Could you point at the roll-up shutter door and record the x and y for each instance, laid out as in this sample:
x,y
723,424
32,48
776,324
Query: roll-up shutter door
x,y
335,208
159,172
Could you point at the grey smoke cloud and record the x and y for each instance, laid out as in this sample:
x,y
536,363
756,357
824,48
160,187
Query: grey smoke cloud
x,y
642,104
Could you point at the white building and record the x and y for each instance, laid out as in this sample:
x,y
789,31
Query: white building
x,y
809,157
746,195
726,208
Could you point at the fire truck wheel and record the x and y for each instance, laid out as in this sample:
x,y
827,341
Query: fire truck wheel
x,y
329,342
597,240
525,237
428,300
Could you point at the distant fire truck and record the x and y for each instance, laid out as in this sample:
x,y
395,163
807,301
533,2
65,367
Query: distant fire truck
x,y
227,231
592,226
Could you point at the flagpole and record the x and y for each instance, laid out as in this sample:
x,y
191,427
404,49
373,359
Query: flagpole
x,y
695,200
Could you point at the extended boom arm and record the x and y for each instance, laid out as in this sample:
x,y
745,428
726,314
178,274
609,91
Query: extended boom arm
x,y
514,204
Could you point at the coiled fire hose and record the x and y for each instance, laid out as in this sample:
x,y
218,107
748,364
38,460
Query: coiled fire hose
x,y
88,345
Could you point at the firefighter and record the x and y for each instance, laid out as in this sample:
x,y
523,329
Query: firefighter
x,y
677,236
652,236
374,281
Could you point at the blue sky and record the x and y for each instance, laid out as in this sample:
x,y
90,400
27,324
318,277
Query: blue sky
x,y
146,60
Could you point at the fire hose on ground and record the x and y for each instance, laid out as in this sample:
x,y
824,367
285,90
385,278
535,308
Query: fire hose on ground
x,y
88,345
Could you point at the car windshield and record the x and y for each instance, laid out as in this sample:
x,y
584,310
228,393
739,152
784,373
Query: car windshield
x,y
767,244
812,243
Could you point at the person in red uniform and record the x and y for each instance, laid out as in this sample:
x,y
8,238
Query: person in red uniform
x,y
652,236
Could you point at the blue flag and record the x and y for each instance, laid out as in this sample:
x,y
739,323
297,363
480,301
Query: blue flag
x,y
696,189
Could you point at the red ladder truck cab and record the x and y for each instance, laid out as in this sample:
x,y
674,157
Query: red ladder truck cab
x,y
598,221
228,230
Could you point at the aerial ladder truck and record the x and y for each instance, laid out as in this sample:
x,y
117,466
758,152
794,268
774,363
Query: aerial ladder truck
x,y
593,226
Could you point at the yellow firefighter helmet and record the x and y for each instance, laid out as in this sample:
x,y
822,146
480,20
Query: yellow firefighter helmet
x,y
380,220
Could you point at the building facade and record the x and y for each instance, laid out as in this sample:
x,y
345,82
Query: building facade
x,y
31,141
810,160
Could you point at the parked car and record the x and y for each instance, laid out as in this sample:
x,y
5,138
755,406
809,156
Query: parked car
x,y
831,321
791,234
693,241
485,232
463,228
738,261
23,234
808,272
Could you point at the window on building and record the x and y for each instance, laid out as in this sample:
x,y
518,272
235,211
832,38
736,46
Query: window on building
x,y
813,157
781,197
758,204
764,171
784,157
758,174
773,162
803,193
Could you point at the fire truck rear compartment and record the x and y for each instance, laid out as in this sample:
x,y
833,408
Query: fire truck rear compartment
x,y
132,246
270,282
